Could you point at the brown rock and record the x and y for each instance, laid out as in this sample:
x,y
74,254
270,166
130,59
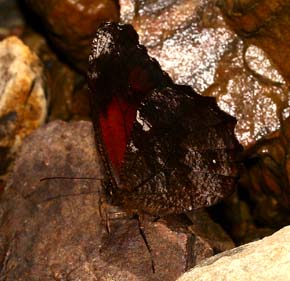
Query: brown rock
x,y
209,231
56,229
263,23
60,79
193,43
236,217
197,47
67,90
23,104
72,24
266,178
11,19
80,106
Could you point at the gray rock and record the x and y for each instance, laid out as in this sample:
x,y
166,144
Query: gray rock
x,y
267,259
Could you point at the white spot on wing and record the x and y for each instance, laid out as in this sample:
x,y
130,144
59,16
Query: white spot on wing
x,y
146,126
133,147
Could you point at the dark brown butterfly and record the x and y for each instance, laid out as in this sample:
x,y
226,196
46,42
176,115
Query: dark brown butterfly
x,y
165,148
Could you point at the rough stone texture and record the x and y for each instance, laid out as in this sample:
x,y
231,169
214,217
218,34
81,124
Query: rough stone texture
x,y
60,78
199,46
23,105
193,43
72,24
267,260
267,178
11,19
67,89
237,216
209,232
263,23
56,229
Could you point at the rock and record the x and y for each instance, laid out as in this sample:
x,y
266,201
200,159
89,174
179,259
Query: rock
x,y
11,19
67,89
59,77
199,46
23,105
266,178
267,259
264,24
80,107
210,232
57,228
193,43
71,25
236,217
175,33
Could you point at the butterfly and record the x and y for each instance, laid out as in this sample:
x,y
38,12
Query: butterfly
x,y
165,149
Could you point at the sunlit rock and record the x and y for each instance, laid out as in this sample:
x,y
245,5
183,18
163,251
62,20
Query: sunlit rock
x,y
23,106
194,44
71,24
267,259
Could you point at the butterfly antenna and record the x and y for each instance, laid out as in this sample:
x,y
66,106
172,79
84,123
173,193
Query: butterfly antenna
x,y
70,178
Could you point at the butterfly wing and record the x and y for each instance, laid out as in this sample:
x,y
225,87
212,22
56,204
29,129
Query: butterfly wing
x,y
120,75
181,156
180,152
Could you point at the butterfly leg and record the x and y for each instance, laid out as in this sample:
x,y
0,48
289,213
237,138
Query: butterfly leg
x,y
103,211
110,213
143,235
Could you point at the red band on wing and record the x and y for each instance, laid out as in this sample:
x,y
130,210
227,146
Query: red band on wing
x,y
116,126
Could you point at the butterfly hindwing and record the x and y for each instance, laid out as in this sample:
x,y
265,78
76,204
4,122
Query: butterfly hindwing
x,y
181,153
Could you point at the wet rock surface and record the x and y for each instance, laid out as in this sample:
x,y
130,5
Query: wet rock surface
x,y
187,37
194,44
263,23
71,25
267,259
23,105
58,229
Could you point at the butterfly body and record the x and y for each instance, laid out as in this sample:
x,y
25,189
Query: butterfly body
x,y
165,148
